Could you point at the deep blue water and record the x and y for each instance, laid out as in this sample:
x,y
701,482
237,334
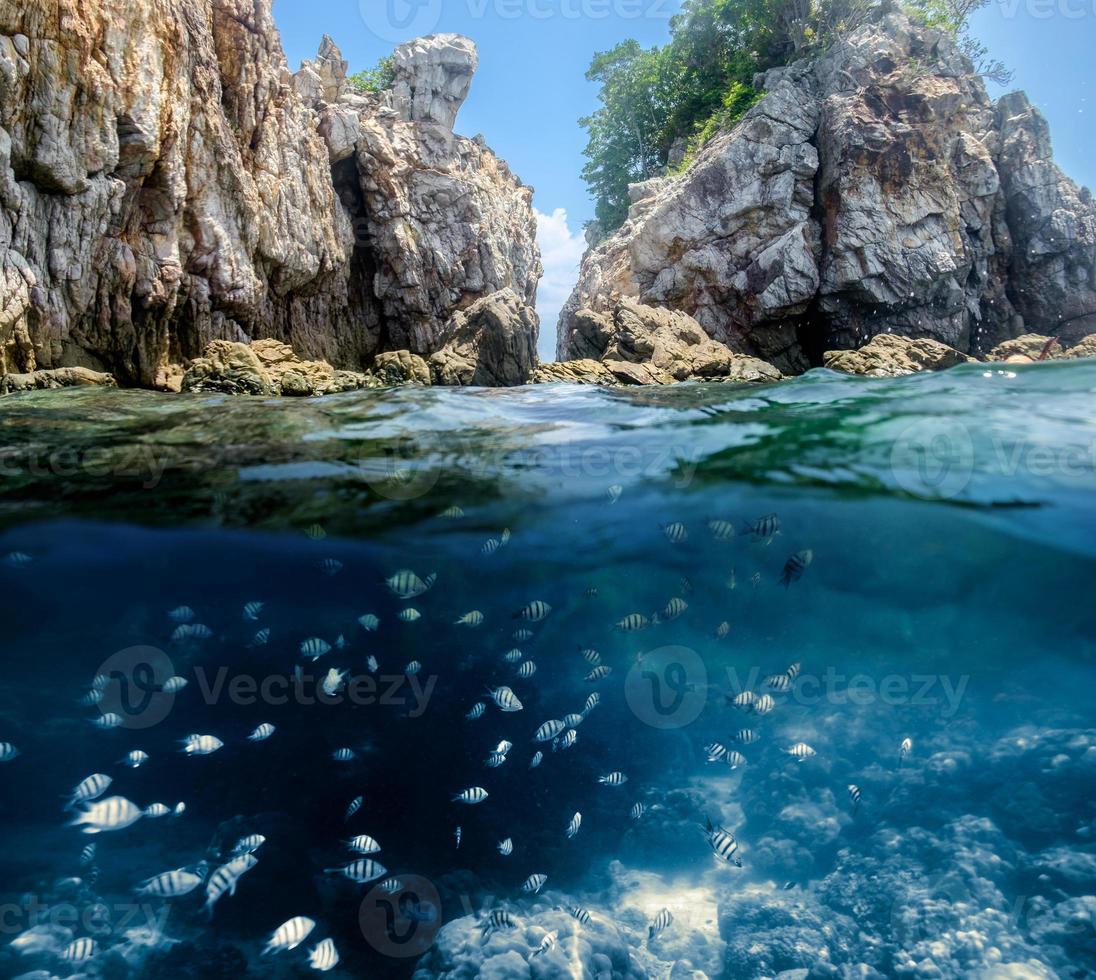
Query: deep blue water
x,y
949,602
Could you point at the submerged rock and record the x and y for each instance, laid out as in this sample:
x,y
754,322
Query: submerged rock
x,y
875,190
891,356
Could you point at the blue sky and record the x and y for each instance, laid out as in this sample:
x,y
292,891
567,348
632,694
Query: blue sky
x,y
531,90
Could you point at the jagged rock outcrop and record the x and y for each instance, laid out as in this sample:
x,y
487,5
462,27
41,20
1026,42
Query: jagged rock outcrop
x,y
492,344
877,190
1035,347
165,181
440,221
639,345
891,356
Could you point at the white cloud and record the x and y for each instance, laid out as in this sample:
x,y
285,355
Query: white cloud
x,y
561,250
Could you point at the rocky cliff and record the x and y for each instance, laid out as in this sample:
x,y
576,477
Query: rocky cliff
x,y
166,182
876,190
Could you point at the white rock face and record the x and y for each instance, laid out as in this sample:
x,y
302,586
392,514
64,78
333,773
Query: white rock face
x,y
433,76
165,181
876,190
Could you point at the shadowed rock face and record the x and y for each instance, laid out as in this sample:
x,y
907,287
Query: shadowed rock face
x,y
166,182
878,190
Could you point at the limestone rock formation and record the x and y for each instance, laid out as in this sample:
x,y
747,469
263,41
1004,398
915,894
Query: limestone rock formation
x,y
1035,347
492,344
637,345
439,220
165,182
892,356
877,190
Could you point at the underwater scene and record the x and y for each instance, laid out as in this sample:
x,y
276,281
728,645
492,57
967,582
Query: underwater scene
x,y
710,681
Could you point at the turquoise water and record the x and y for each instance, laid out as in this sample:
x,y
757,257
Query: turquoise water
x,y
948,601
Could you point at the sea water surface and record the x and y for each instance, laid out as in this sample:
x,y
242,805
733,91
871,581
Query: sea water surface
x,y
902,569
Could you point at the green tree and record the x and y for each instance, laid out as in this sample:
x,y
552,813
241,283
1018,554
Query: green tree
x,y
378,79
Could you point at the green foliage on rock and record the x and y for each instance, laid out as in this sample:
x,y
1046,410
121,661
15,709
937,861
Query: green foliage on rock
x,y
378,79
701,82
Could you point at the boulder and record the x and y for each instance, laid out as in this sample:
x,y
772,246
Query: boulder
x,y
70,377
267,368
582,372
1030,346
643,345
891,356
1086,347
493,343
400,367
433,76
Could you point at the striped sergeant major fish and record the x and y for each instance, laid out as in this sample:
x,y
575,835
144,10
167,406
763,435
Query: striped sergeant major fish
x,y
801,752
477,711
716,752
735,760
723,843
405,584
533,884
114,813
721,530
592,657
490,547
453,513
781,683
472,796
676,532
591,702
252,610
248,844
795,567
535,612
458,835
675,608
506,699
764,704
565,741
225,879
471,619
80,950
89,789
522,635
364,844
744,700
613,779
495,921
201,745
549,730
637,811
513,657
181,614
905,750
573,826
794,671
547,944
581,915
766,528
191,631
369,622
87,855
573,721
324,956
855,795
329,566
506,847
313,648
723,630
361,871
170,884
633,623
598,674
746,737
662,922
262,732
289,935
537,759
343,755
527,670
